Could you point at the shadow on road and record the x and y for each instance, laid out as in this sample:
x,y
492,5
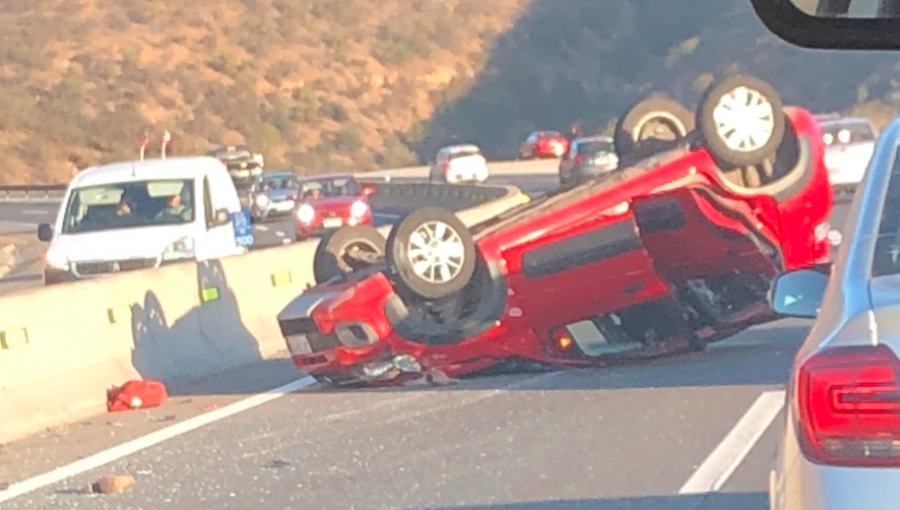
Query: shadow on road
x,y
207,340
760,356
715,501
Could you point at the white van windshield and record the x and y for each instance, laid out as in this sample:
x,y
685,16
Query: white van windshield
x,y
132,204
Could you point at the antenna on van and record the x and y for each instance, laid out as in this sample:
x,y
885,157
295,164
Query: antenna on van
x,y
144,143
167,137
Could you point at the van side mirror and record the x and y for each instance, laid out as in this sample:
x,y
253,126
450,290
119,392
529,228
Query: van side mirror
x,y
799,293
45,232
222,217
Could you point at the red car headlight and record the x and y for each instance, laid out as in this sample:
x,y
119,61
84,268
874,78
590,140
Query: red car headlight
x,y
359,209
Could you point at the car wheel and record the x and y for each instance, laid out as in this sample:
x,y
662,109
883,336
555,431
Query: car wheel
x,y
742,121
432,253
347,249
656,117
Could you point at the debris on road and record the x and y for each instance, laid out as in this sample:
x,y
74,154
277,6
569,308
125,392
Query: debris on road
x,y
136,395
111,484
439,378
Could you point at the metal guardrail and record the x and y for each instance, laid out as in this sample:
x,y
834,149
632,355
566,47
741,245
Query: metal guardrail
x,y
397,188
32,192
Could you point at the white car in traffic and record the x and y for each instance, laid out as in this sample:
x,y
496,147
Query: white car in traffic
x,y
838,438
849,143
459,163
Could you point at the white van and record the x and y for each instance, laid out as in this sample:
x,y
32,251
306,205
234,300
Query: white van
x,y
144,214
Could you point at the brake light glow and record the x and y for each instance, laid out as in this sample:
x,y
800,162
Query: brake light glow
x,y
579,159
848,407
563,338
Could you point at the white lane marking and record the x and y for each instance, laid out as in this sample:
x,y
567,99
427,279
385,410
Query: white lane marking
x,y
262,228
17,224
35,212
125,449
286,241
728,455
279,233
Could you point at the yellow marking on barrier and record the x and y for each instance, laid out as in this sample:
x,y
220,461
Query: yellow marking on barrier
x,y
119,314
13,338
523,198
209,294
281,278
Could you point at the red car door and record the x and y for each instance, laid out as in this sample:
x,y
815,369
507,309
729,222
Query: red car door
x,y
595,267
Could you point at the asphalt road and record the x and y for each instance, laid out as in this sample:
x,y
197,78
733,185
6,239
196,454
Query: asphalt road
x,y
621,438
689,432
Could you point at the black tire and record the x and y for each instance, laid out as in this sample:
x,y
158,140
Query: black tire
x,y
398,244
656,117
726,157
334,258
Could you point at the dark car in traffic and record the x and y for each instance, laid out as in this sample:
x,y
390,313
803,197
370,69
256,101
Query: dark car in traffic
x,y
587,156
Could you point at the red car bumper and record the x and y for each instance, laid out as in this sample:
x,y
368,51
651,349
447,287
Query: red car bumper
x,y
324,223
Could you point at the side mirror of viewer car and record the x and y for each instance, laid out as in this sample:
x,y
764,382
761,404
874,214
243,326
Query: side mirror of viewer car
x,y
799,293
45,232
833,24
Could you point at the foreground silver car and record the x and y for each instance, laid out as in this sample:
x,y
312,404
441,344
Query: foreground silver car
x,y
839,445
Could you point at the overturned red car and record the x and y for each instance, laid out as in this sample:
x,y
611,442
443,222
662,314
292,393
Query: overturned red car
x,y
673,250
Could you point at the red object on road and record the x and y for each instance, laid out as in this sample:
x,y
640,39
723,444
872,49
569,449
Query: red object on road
x,y
138,394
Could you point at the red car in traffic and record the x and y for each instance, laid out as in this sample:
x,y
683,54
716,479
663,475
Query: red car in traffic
x,y
674,250
329,202
544,144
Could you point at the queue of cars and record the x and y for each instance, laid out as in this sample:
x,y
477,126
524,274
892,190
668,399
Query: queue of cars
x,y
670,252
144,214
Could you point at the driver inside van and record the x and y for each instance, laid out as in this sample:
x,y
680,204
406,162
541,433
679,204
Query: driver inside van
x,y
175,210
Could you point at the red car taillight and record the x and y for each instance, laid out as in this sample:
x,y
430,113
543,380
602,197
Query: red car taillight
x,y
446,166
579,159
848,402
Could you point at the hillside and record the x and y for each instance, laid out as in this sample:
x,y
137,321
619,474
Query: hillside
x,y
355,84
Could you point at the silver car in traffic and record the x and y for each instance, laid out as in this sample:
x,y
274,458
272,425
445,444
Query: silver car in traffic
x,y
839,443
273,194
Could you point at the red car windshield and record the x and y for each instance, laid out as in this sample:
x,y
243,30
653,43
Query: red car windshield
x,y
335,187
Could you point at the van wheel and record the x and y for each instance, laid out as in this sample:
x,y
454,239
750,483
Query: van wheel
x,y
655,118
347,249
432,253
742,121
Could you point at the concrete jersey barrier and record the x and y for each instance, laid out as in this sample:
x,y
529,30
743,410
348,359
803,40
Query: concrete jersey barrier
x,y
62,347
